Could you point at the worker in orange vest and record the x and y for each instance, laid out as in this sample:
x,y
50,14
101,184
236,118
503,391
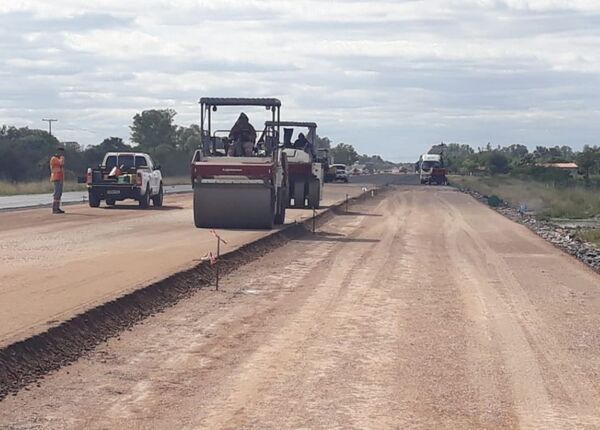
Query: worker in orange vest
x,y
57,177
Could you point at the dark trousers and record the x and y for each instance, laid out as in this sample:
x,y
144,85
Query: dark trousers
x,y
58,190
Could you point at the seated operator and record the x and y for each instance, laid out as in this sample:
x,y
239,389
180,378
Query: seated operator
x,y
243,137
304,144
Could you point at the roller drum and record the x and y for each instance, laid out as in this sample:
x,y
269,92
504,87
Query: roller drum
x,y
245,206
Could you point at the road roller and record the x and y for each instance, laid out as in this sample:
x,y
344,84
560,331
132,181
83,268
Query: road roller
x,y
306,165
239,184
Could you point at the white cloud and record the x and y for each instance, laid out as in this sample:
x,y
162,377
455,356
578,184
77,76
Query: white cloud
x,y
388,76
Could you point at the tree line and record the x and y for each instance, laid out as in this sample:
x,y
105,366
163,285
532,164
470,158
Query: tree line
x,y
518,160
25,152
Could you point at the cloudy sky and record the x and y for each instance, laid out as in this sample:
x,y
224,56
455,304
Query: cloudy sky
x,y
389,77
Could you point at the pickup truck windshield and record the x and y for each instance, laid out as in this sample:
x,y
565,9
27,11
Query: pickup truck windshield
x,y
125,161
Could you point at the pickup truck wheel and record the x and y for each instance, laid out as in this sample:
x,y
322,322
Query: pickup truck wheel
x,y
157,200
145,199
110,202
94,200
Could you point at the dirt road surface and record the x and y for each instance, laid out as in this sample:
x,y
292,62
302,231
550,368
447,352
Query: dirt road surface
x,y
53,267
424,310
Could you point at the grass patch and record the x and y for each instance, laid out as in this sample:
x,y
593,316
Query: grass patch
x,y
46,187
545,200
37,187
591,235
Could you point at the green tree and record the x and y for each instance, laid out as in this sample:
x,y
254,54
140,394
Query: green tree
x,y
344,154
567,153
457,155
497,163
323,142
153,128
25,153
589,160
515,151
188,138
113,144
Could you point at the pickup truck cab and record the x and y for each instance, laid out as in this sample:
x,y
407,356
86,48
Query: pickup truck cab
x,y
125,175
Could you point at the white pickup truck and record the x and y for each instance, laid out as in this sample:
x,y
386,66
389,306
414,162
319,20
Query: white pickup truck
x,y
125,175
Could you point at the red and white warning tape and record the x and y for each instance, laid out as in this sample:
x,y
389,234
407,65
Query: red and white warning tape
x,y
210,257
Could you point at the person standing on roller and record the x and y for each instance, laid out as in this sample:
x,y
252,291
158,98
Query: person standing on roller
x,y
57,177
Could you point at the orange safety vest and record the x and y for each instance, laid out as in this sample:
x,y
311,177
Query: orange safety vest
x,y
57,172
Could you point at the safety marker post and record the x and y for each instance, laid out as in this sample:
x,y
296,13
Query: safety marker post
x,y
215,261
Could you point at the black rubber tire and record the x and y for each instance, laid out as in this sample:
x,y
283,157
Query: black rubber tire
x,y
314,194
94,200
197,218
145,199
110,202
157,200
299,195
271,221
282,204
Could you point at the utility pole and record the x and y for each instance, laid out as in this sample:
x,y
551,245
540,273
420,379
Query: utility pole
x,y
49,121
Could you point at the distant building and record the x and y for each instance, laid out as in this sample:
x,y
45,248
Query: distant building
x,y
562,166
572,168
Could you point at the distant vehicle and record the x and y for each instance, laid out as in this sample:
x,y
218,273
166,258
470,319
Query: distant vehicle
x,y
339,172
125,175
431,169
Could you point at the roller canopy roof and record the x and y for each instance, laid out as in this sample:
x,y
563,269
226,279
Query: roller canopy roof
x,y
225,101
293,124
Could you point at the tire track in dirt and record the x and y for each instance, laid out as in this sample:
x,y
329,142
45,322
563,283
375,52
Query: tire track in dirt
x,y
411,319
528,350
434,361
299,350
238,336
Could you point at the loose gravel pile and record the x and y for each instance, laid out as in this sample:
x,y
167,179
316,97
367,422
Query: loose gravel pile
x,y
562,237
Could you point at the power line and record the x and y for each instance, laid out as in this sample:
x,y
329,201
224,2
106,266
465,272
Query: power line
x,y
49,121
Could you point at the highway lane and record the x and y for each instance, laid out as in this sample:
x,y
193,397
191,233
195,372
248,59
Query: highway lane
x,y
33,200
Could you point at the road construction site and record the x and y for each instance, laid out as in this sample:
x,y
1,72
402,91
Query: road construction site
x,y
418,307
53,269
